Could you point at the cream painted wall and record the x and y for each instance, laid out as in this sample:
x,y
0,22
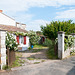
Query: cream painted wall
x,y
5,20
24,47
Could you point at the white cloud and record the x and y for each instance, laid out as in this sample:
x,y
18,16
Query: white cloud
x,y
66,14
11,7
24,18
66,2
24,5
35,24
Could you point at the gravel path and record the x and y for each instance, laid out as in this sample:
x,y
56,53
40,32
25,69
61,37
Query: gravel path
x,y
50,67
39,56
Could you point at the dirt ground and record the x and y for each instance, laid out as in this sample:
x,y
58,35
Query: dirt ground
x,y
32,57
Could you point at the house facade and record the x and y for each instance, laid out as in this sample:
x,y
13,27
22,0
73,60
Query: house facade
x,y
10,25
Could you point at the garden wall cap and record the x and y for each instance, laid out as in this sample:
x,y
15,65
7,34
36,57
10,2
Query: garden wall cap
x,y
60,32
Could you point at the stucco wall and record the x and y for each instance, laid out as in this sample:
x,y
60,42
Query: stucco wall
x,y
5,20
2,49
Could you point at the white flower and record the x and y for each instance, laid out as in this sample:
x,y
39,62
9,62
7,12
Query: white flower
x,y
16,43
10,45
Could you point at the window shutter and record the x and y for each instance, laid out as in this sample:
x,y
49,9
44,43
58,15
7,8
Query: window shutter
x,y
17,37
24,39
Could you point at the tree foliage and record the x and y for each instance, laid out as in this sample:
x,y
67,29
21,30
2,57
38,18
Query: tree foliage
x,y
50,30
33,38
39,33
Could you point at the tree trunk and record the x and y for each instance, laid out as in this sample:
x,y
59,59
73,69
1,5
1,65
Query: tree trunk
x,y
11,56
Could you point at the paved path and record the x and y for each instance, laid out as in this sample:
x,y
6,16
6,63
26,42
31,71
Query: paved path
x,y
51,67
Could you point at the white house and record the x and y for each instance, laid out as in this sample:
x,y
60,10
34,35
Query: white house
x,y
11,25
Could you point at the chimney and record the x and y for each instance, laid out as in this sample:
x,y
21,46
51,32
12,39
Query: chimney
x,y
23,26
1,11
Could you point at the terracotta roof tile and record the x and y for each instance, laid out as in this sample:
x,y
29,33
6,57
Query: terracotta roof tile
x,y
12,28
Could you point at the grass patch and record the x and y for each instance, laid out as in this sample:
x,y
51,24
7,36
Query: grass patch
x,y
36,50
18,54
43,61
50,54
39,47
18,62
31,58
36,62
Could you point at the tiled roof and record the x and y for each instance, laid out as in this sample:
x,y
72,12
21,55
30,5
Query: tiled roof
x,y
12,28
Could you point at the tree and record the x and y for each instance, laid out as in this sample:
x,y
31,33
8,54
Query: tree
x,y
50,30
39,33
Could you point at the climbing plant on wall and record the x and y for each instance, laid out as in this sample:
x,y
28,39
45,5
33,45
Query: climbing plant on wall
x,y
68,41
11,43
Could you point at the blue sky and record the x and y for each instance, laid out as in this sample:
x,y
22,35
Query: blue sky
x,y
35,13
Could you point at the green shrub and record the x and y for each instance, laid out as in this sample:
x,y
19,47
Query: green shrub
x,y
33,37
73,52
47,42
5,67
29,48
51,53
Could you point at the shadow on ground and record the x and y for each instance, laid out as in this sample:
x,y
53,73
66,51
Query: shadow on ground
x,y
72,71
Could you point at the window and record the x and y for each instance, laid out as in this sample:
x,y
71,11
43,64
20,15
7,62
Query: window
x,y
21,39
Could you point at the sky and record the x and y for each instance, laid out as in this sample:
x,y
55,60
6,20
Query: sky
x,y
35,13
